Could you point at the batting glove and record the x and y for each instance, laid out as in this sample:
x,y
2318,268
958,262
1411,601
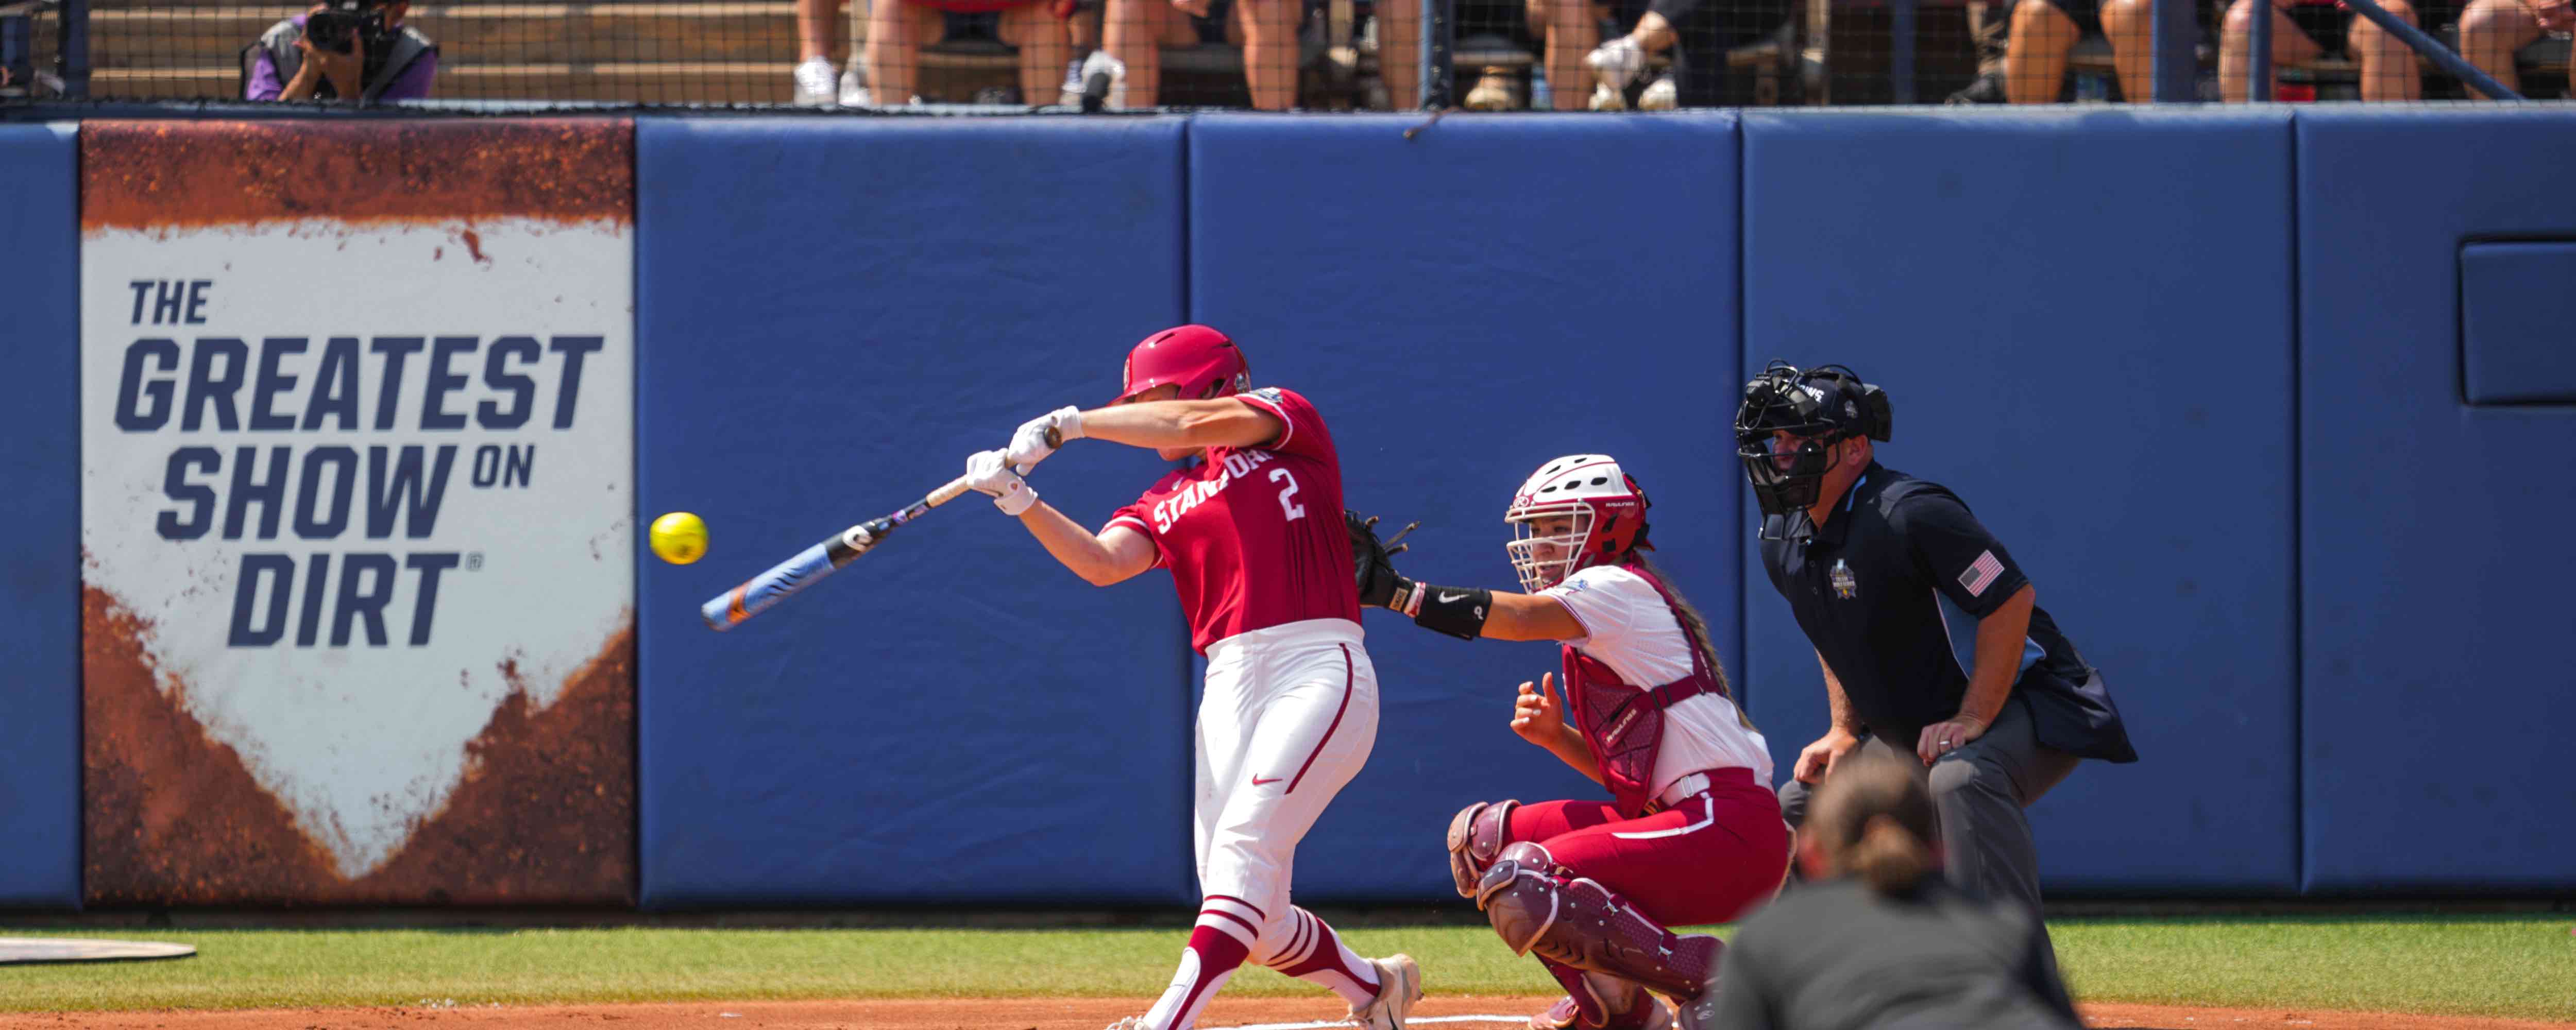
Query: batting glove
x,y
1029,444
988,473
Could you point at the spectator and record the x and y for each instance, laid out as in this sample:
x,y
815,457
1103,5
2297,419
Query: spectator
x,y
2305,30
815,82
1877,938
2491,30
898,29
342,49
1697,32
1138,30
2042,33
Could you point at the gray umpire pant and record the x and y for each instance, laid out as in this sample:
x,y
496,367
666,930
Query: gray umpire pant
x,y
1980,791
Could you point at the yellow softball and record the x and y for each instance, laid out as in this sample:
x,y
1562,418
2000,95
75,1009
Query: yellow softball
x,y
679,538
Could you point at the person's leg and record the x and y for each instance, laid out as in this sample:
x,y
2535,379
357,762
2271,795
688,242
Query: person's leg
x,y
2035,59
1980,791
817,82
1270,51
2388,70
1133,32
2131,27
1309,737
1593,1000
1044,49
2490,31
1399,51
2290,45
814,29
1571,33
897,30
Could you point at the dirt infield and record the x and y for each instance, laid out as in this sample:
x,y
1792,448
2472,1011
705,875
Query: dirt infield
x,y
1078,1014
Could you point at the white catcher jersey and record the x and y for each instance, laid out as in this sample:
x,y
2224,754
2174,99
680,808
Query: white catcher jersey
x,y
1628,627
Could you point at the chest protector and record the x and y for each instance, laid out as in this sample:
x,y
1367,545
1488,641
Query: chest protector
x,y
1623,722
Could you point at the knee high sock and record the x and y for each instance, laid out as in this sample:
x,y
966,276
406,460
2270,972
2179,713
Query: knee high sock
x,y
1315,954
1218,946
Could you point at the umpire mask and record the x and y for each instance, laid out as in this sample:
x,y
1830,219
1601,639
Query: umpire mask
x,y
1819,407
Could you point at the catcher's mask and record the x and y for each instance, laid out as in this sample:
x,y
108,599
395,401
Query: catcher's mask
x,y
1818,408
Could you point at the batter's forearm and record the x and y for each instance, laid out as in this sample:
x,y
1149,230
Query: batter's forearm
x,y
2000,638
1223,422
1071,544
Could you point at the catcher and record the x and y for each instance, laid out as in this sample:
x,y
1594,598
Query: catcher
x,y
1692,833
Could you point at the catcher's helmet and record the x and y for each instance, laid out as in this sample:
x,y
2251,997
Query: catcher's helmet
x,y
1817,407
1201,361
1607,507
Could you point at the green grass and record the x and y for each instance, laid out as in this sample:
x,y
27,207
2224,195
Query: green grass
x,y
2521,966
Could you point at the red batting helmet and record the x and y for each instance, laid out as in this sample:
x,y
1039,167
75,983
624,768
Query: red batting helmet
x,y
1201,361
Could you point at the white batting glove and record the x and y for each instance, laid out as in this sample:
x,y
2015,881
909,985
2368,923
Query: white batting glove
x,y
1029,444
987,473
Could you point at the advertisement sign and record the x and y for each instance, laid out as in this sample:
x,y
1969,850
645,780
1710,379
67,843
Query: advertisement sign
x,y
357,511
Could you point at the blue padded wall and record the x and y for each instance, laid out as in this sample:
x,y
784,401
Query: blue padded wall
x,y
2518,322
2083,319
1459,323
832,316
2435,540
40,735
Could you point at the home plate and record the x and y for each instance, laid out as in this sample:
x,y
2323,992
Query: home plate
x,y
85,949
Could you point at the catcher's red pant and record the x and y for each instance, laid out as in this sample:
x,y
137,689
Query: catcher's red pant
x,y
1706,859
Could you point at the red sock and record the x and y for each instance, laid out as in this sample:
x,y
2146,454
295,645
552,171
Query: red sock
x,y
1316,954
1211,958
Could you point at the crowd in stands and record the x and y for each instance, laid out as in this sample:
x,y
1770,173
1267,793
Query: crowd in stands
x,y
1566,55
1648,54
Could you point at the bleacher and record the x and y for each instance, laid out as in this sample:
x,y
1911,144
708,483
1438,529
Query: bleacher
x,y
743,52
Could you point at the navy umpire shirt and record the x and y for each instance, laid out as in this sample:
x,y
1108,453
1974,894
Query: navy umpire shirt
x,y
1890,589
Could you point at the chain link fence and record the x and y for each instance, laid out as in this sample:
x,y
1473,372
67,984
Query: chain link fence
x,y
1093,55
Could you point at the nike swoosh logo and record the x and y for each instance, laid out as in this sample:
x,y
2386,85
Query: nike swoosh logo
x,y
1450,598
1257,781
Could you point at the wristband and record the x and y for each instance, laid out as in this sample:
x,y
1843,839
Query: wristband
x,y
1016,501
1408,597
1457,611
1068,423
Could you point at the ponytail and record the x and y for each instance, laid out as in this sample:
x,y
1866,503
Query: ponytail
x,y
1690,619
1888,857
1874,819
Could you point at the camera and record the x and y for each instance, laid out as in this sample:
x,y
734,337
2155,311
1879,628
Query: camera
x,y
333,27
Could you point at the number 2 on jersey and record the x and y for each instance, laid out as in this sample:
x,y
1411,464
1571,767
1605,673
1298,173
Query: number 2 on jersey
x,y
1295,511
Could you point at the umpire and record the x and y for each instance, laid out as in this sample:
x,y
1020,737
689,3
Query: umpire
x,y
1927,630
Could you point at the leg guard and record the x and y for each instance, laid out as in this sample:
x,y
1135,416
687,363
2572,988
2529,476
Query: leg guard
x,y
1475,839
1599,1001
1578,922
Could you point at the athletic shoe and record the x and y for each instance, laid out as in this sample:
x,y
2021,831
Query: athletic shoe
x,y
1605,98
1070,94
1660,95
854,86
1104,82
1988,89
1616,62
1496,91
1129,1023
1399,985
814,83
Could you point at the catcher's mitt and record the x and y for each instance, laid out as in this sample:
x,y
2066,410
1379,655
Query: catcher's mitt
x,y
1372,560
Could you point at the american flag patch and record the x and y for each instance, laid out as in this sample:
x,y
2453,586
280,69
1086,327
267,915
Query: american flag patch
x,y
1981,574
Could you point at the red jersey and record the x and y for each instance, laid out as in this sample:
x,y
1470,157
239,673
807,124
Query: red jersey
x,y
1254,536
